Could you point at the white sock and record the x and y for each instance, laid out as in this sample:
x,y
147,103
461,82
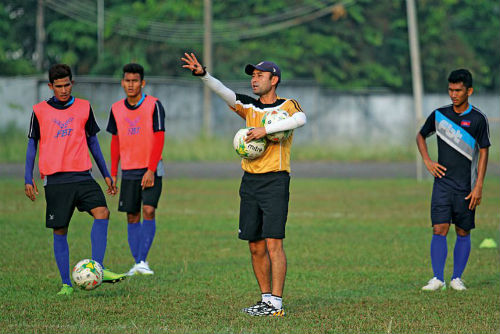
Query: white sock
x,y
266,297
277,302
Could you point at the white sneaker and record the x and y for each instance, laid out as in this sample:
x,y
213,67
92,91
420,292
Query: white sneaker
x,y
434,284
143,268
457,284
133,270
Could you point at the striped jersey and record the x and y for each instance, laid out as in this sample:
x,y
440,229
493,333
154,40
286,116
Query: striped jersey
x,y
460,136
276,157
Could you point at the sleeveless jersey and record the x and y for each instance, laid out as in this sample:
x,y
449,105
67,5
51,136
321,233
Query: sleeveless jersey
x,y
63,141
135,131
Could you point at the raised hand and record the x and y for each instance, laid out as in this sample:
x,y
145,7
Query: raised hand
x,y
192,64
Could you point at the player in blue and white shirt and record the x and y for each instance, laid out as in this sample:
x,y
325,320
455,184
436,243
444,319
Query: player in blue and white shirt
x,y
463,142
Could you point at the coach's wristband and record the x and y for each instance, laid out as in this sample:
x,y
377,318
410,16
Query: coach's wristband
x,y
201,74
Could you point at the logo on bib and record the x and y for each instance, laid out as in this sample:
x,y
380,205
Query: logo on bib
x,y
63,131
133,128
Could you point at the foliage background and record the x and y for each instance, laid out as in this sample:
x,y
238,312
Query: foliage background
x,y
362,44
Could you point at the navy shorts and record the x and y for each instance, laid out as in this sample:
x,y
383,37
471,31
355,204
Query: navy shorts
x,y
451,207
264,205
63,198
132,195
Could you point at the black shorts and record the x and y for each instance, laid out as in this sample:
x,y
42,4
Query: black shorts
x,y
63,198
264,205
451,207
131,195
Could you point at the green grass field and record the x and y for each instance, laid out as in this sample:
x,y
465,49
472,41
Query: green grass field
x,y
358,254
13,150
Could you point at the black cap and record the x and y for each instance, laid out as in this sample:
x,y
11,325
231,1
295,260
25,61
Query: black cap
x,y
264,66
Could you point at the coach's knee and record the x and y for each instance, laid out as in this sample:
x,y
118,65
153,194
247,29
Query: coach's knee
x,y
257,248
274,246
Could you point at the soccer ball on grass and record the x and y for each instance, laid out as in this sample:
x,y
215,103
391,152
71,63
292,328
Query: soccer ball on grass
x,y
87,274
250,150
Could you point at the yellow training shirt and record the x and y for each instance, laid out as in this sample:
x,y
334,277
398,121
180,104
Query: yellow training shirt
x,y
276,157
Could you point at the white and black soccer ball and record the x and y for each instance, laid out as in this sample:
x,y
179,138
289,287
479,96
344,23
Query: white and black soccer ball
x,y
87,274
275,116
251,150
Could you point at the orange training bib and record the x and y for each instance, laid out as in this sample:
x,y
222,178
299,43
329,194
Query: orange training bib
x,y
63,141
135,132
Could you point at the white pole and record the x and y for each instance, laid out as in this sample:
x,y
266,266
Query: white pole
x,y
40,36
207,61
416,73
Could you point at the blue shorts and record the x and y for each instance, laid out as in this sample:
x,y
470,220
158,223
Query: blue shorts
x,y
451,207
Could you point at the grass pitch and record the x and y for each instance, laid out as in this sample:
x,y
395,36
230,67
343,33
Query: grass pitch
x,y
13,149
358,254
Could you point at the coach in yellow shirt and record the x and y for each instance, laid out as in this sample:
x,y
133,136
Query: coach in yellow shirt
x,y
264,189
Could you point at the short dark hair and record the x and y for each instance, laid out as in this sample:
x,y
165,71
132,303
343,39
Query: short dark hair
x,y
59,71
134,68
462,75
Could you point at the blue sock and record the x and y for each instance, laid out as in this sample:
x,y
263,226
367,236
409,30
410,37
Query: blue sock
x,y
460,255
148,234
99,238
439,251
134,240
61,253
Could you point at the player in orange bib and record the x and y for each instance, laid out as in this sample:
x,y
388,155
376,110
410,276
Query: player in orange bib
x,y
65,130
137,125
264,189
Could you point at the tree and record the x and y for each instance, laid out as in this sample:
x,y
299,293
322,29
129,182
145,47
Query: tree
x,y
16,44
357,45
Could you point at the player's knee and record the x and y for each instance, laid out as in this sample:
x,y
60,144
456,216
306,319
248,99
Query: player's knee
x,y
101,212
462,232
440,229
61,231
148,212
133,217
